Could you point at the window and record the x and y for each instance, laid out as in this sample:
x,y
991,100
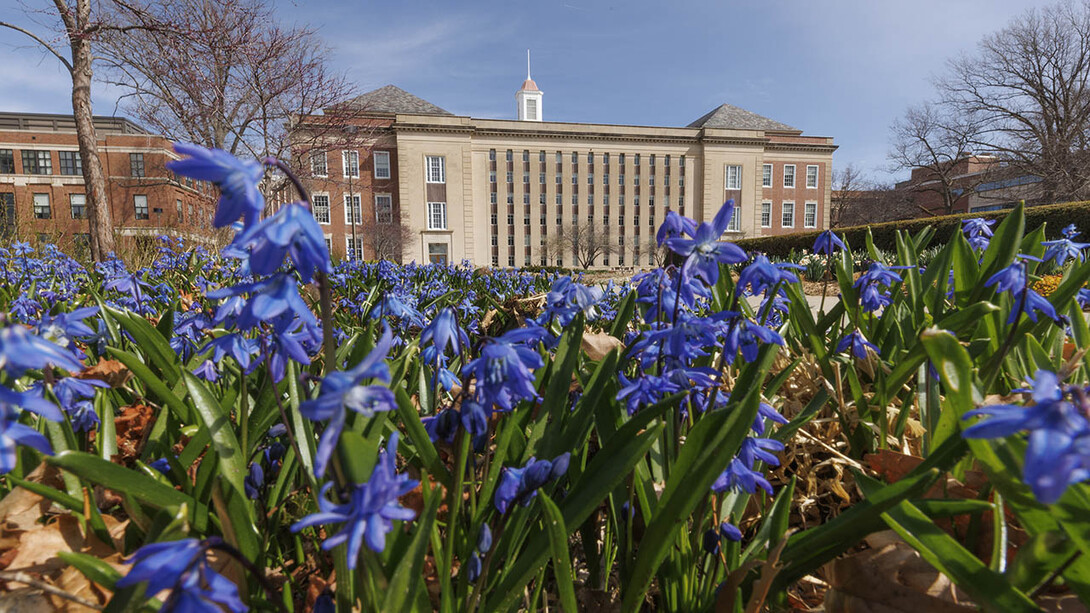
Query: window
x,y
510,240
41,206
352,211
734,177
384,208
574,179
437,215
136,164
541,156
559,199
766,176
492,198
766,214
526,178
71,164
140,203
37,163
382,164
320,204
353,248
510,155
809,215
590,178
735,224
510,219
811,177
350,163
329,243
437,253
789,175
525,156
788,217
510,176
179,210
541,198
491,176
491,155
79,205
7,161
559,179
541,178
526,239
620,179
318,166
559,158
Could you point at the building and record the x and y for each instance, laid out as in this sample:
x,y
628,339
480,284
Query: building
x,y
42,195
533,192
973,184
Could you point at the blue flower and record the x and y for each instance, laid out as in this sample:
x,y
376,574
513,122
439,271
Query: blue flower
x,y
762,274
1059,434
344,390
291,231
484,539
644,391
236,179
704,253
520,485
673,226
1070,231
504,368
978,231
13,433
21,351
566,298
1063,249
857,343
370,510
711,541
827,242
271,298
766,411
1010,279
740,473
182,567
443,333
873,283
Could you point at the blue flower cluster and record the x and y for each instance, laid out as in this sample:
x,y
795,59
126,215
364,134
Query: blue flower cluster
x,y
1058,439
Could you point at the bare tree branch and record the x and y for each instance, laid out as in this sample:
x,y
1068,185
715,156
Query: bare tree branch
x,y
48,47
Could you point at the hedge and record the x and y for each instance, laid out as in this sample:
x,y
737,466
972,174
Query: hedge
x,y
885,234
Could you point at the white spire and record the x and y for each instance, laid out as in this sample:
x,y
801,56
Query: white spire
x,y
529,97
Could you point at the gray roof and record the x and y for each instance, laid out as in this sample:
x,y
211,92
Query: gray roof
x,y
393,99
734,118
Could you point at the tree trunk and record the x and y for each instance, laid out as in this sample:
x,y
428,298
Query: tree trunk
x,y
98,206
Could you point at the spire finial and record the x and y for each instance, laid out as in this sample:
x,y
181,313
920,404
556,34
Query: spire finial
x,y
527,64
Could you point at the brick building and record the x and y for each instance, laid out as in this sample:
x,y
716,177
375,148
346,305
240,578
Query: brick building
x,y
42,195
499,192
974,184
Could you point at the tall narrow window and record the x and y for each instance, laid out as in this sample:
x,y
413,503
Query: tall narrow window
x,y
809,215
789,175
437,215
79,205
382,164
136,164
766,176
41,206
787,219
7,161
384,208
735,224
71,164
140,204
436,168
350,163
352,209
811,177
353,248
318,165
734,177
531,109
320,204
766,214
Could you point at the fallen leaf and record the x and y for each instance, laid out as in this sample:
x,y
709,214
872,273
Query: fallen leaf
x,y
112,372
21,509
597,345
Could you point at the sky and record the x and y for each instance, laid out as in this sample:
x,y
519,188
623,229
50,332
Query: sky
x,y
840,68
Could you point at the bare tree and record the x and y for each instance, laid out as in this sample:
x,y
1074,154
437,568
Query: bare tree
x,y
1026,86
848,188
226,76
84,23
586,242
387,241
937,146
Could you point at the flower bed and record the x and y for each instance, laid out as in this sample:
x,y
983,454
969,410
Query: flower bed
x,y
261,429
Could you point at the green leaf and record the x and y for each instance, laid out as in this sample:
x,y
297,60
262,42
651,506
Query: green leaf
x,y
233,462
988,588
406,579
93,568
94,469
153,383
419,438
625,310
151,342
558,543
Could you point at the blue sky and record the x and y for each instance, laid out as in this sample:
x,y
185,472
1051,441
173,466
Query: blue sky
x,y
843,68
